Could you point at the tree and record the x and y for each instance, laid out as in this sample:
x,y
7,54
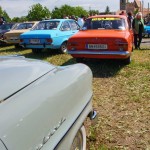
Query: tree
x,y
1,11
4,14
80,11
21,19
38,12
56,13
107,11
67,10
93,12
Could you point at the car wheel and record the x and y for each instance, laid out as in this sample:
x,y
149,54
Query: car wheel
x,y
79,142
36,50
127,61
63,48
79,60
17,46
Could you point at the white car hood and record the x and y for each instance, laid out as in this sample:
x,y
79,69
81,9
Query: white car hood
x,y
18,72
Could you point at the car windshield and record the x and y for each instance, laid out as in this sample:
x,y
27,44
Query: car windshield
x,y
101,23
23,26
47,25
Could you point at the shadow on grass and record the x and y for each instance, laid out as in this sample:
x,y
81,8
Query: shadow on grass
x,y
11,48
101,68
42,55
105,68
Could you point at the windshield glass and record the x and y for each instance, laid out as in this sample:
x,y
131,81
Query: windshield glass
x,y
23,26
104,23
47,25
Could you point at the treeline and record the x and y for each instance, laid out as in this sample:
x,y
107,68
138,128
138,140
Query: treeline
x,y
38,12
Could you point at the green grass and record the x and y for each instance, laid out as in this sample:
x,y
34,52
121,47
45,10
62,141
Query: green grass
x,y
121,96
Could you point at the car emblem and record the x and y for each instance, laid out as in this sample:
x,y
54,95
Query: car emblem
x,y
50,134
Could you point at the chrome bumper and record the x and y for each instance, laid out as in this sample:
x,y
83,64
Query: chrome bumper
x,y
120,53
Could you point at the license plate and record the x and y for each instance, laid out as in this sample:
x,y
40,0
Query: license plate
x,y
97,46
35,41
14,38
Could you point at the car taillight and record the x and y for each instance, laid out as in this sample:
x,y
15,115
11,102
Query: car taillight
x,y
123,46
49,40
72,44
21,40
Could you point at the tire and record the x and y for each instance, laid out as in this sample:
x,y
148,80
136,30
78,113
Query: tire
x,y
17,46
36,50
79,141
79,60
63,48
127,61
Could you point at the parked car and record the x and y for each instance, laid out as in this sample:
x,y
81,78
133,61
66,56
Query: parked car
x,y
147,30
50,34
103,37
42,106
13,37
3,29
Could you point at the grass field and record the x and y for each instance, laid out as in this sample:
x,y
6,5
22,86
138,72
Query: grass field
x,y
121,97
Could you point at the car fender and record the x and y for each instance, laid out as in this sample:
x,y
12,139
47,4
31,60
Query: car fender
x,y
43,111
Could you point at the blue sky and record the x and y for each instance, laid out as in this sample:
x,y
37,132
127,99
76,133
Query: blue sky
x,y
17,8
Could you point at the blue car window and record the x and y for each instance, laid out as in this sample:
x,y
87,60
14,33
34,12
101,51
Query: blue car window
x,y
65,26
74,25
47,25
29,25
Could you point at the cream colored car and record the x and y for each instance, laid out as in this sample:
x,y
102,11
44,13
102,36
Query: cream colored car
x,y
42,106
13,36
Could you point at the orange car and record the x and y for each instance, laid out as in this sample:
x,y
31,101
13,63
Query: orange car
x,y
103,37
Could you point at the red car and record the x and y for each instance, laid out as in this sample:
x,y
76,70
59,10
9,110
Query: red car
x,y
103,37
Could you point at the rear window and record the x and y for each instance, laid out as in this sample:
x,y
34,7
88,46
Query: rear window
x,y
104,23
47,25
23,26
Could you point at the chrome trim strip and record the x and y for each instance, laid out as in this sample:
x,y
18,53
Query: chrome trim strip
x,y
122,53
4,144
9,56
28,84
74,121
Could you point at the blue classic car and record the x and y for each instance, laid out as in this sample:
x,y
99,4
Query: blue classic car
x,y
147,30
3,29
49,34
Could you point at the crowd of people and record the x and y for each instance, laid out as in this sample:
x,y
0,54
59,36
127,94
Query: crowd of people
x,y
135,23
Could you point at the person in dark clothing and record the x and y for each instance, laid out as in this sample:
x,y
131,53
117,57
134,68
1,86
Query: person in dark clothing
x,y
138,28
1,21
130,19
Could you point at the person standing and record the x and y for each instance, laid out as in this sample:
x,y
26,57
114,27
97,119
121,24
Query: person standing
x,y
1,21
81,21
138,29
130,19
